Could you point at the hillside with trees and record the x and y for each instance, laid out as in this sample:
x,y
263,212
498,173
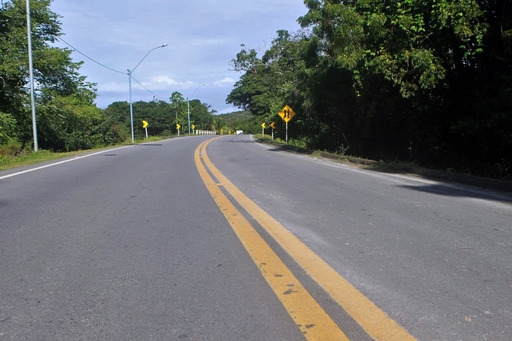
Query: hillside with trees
x,y
418,80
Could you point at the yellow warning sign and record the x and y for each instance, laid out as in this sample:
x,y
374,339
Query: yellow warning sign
x,y
286,113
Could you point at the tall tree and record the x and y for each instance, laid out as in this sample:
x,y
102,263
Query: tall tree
x,y
178,108
269,82
417,67
56,75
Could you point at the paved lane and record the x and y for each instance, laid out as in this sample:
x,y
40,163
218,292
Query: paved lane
x,y
436,258
127,245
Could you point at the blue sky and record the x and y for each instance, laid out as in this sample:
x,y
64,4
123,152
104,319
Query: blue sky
x,y
202,37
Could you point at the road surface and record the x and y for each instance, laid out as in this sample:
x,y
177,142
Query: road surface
x,y
203,238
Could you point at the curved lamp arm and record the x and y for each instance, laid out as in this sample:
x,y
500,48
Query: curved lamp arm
x,y
130,85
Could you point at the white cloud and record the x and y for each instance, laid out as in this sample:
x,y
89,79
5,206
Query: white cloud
x,y
225,81
162,81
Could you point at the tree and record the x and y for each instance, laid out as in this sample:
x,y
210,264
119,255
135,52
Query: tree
x,y
427,80
200,116
7,128
178,108
270,82
56,75
72,123
417,68
157,113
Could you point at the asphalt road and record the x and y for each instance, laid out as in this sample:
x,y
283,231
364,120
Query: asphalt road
x,y
128,244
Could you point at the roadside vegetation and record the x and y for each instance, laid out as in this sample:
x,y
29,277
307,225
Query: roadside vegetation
x,y
422,81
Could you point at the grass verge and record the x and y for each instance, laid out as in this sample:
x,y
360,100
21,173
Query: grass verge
x,y
29,157
395,167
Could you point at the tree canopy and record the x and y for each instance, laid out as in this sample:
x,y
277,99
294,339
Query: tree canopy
x,y
161,116
66,115
422,80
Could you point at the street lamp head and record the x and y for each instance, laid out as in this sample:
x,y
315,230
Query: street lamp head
x,y
164,45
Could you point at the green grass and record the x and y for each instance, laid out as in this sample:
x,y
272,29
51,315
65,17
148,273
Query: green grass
x,y
380,166
28,157
396,167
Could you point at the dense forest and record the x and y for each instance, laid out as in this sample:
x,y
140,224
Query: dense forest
x,y
428,81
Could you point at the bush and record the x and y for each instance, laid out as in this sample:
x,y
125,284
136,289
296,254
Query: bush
x,y
10,149
7,128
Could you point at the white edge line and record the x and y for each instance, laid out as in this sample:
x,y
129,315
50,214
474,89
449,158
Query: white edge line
x,y
491,194
76,158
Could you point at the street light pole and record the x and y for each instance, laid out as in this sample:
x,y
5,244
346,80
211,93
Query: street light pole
x,y
31,73
130,85
188,105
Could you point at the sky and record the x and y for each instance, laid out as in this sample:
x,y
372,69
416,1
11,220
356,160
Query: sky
x,y
202,37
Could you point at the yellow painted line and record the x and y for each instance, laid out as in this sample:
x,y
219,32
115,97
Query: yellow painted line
x,y
371,318
313,321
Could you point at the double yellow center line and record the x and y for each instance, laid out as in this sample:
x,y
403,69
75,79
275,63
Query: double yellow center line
x,y
309,316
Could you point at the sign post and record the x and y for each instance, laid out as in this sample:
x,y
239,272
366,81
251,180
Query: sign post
x,y
145,126
178,128
286,114
263,129
273,126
